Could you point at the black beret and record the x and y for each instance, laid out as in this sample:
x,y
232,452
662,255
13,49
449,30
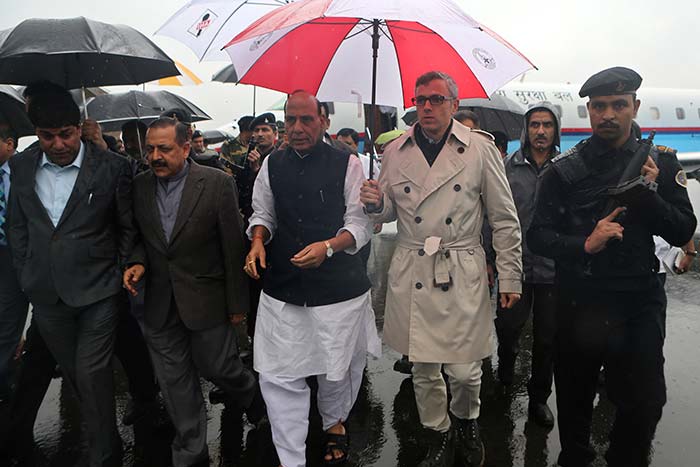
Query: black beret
x,y
610,82
264,119
197,134
244,123
181,115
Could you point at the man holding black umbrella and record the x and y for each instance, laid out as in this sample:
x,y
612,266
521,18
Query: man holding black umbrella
x,y
71,228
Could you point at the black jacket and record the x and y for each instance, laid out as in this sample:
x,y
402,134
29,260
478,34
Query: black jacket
x,y
79,261
571,199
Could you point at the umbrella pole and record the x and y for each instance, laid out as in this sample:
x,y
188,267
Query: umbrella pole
x,y
373,107
84,103
255,88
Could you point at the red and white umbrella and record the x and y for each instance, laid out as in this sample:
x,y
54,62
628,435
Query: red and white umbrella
x,y
372,51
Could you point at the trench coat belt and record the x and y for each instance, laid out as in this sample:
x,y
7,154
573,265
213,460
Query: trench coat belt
x,y
441,266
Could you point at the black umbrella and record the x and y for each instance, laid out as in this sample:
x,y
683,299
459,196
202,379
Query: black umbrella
x,y
498,113
13,113
215,136
226,75
112,110
79,52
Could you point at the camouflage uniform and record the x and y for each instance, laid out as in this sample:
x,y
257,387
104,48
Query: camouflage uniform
x,y
234,150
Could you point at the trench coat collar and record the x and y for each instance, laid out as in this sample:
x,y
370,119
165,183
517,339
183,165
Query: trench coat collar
x,y
449,162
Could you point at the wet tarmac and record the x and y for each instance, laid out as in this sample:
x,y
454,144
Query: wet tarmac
x,y
384,428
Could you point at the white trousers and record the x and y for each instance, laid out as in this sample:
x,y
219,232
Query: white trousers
x,y
288,402
431,392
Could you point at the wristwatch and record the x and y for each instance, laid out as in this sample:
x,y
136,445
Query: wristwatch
x,y
691,253
329,248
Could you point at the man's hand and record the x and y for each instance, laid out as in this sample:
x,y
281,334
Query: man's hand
x,y
508,300
605,230
132,276
650,170
236,318
254,160
371,194
19,349
256,253
684,264
92,132
311,256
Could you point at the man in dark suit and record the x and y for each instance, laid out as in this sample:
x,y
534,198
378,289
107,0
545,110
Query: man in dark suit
x,y
192,249
13,303
71,227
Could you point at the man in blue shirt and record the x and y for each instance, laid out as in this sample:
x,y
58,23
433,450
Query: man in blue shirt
x,y
71,228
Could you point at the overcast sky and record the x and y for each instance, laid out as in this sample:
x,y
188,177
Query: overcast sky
x,y
567,40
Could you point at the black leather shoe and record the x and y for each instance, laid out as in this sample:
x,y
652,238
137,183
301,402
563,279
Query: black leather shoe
x,y
135,411
217,396
257,410
541,414
469,448
403,366
441,449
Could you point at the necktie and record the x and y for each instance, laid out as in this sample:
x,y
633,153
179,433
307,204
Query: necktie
x,y
3,210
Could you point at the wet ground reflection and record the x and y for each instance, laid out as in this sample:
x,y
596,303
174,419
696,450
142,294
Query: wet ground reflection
x,y
384,428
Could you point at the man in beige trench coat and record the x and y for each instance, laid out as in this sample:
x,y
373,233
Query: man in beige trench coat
x,y
436,180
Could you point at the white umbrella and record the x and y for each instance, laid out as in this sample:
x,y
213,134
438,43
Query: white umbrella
x,y
205,26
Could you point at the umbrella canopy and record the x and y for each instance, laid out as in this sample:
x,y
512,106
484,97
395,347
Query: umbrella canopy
x,y
79,52
112,110
13,113
215,136
185,78
498,113
339,49
226,75
205,26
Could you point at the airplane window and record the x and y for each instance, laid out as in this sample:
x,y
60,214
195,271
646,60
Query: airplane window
x,y
680,113
582,113
655,114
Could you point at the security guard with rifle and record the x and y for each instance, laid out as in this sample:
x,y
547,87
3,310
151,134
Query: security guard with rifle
x,y
597,208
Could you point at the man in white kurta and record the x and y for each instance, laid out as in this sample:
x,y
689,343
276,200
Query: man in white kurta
x,y
437,180
315,317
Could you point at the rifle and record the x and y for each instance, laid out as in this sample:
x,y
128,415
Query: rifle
x,y
632,186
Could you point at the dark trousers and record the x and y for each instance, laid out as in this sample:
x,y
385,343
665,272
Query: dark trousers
x,y
622,332
13,315
180,357
38,366
540,299
81,339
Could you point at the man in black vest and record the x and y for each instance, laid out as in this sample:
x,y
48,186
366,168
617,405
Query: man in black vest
x,y
610,302
315,316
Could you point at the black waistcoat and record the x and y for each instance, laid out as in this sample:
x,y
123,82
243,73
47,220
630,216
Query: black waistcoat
x,y
309,207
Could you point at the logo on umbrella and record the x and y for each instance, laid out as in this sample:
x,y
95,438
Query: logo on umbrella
x,y
485,58
260,41
204,21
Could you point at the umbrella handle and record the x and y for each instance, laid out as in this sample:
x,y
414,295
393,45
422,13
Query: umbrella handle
x,y
85,110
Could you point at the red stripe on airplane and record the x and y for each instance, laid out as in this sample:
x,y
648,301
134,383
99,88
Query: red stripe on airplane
x,y
673,129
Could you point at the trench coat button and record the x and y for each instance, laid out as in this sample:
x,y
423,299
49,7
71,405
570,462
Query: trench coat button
x,y
460,149
447,254
448,221
419,285
407,189
457,187
300,196
421,252
418,219
445,288
300,220
471,252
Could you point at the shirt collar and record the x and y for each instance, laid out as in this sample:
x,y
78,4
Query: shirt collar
x,y
77,162
5,168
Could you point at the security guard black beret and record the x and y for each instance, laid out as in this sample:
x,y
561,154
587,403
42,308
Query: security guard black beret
x,y
610,82
244,123
197,134
264,119
181,115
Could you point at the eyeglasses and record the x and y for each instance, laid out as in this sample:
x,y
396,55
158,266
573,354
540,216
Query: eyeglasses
x,y
435,99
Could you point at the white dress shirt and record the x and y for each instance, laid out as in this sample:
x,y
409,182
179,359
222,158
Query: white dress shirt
x,y
54,184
